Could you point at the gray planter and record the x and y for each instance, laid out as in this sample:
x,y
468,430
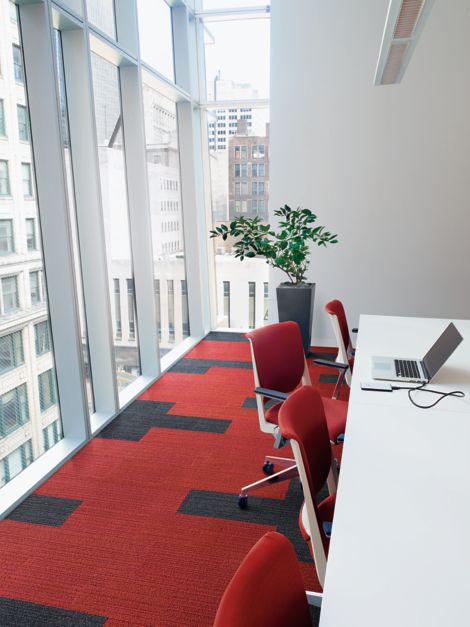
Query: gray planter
x,y
295,302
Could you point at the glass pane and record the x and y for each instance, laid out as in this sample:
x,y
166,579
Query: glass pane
x,y
101,14
229,4
239,165
23,305
108,116
156,36
73,219
162,150
235,71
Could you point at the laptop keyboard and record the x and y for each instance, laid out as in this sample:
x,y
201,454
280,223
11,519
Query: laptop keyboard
x,y
407,369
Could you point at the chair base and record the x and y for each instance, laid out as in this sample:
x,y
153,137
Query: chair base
x,y
282,475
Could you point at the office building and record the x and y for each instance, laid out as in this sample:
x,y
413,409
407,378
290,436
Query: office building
x,y
248,165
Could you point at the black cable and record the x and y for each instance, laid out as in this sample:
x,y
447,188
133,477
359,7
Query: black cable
x,y
443,395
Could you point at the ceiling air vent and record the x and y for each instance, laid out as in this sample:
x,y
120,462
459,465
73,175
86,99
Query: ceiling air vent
x,y
403,26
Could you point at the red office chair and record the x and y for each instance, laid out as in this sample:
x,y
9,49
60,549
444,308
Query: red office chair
x,y
279,367
345,355
302,421
267,589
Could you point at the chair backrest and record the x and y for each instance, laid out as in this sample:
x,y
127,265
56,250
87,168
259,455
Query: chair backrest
x,y
335,308
278,356
337,315
267,589
302,421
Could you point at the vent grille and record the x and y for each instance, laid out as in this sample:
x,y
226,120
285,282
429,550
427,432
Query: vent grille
x,y
408,18
394,63
404,23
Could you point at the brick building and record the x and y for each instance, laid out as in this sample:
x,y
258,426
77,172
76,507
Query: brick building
x,y
248,166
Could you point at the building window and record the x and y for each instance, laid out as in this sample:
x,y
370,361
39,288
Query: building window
x,y
237,152
171,310
156,287
131,308
15,462
42,338
241,169
31,241
10,296
257,188
51,435
13,410
26,180
2,119
251,304
47,389
184,308
257,206
244,151
35,287
237,188
11,351
18,64
23,123
257,151
227,301
7,241
117,308
266,302
257,169
4,178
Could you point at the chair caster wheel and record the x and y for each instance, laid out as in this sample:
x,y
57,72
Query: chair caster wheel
x,y
268,468
242,502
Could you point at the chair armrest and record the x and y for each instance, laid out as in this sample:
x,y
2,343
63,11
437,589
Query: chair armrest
x,y
274,394
331,364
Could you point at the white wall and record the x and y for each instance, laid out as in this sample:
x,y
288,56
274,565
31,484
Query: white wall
x,y
385,167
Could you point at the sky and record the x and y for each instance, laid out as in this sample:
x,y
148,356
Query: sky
x,y
240,51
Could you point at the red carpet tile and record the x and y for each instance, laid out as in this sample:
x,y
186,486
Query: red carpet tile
x,y
126,553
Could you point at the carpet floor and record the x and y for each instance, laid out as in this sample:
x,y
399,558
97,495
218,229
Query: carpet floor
x,y
142,527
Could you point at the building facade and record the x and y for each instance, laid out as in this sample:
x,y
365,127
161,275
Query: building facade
x,y
29,411
248,174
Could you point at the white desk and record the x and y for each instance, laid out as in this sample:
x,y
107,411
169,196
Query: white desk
x,y
400,548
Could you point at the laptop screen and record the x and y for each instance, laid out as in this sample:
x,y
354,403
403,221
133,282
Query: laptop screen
x,y
442,349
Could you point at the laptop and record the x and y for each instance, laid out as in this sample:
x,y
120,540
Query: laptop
x,y
417,370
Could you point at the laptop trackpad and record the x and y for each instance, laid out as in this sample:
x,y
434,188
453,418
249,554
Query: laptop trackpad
x,y
382,365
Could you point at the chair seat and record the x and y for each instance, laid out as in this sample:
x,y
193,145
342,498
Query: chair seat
x,y
335,413
325,513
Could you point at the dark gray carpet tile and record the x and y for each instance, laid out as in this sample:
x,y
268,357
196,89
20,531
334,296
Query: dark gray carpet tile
x,y
280,513
15,613
44,510
201,366
320,355
135,421
328,378
249,403
225,336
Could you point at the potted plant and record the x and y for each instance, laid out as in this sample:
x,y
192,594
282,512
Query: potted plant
x,y
286,248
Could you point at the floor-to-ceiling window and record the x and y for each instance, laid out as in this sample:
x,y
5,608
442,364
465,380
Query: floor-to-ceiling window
x,y
164,181
236,46
30,419
94,287
110,137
